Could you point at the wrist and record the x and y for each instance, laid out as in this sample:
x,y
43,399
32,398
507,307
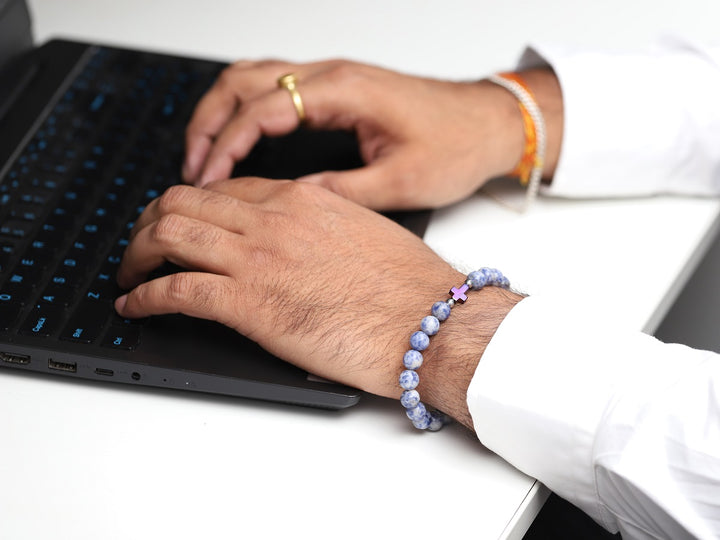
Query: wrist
x,y
454,353
505,121
545,87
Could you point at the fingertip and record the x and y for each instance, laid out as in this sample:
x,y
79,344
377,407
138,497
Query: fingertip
x,y
311,178
120,304
216,168
188,174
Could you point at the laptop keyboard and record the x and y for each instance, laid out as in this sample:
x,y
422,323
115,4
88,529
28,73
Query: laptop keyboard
x,y
112,143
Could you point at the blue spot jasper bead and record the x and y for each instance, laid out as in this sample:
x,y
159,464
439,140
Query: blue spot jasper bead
x,y
412,359
410,399
409,379
417,413
440,310
419,341
437,421
477,279
430,325
423,423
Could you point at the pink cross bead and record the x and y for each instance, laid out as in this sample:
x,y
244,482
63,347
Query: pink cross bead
x,y
458,294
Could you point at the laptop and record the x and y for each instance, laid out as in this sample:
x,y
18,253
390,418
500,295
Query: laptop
x,y
90,135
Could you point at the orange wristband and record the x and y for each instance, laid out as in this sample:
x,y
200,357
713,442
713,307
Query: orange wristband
x,y
528,160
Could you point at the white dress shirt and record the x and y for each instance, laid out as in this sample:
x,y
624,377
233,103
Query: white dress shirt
x,y
619,424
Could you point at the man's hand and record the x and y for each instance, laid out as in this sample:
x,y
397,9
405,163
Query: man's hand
x,y
312,277
426,143
315,279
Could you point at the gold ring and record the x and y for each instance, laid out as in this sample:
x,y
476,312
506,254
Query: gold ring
x,y
289,83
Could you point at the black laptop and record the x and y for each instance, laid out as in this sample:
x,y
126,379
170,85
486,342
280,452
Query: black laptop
x,y
89,135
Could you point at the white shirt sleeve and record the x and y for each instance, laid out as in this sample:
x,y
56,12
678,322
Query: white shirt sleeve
x,y
637,124
619,424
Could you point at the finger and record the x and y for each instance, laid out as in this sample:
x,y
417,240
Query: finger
x,y
239,83
180,240
206,296
211,114
213,206
271,115
274,114
383,185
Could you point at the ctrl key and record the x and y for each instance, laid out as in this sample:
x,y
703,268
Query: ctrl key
x,y
125,337
42,321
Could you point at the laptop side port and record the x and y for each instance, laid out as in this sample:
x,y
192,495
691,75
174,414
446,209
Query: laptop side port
x,y
13,358
70,367
103,371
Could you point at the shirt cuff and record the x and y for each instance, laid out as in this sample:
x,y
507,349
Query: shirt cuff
x,y
636,123
584,405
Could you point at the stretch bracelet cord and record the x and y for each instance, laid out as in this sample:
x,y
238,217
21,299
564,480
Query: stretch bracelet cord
x,y
417,412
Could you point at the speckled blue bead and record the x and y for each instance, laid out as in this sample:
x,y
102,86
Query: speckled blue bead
x,y
409,379
494,276
440,310
430,325
412,359
477,279
437,421
410,399
417,412
419,341
423,423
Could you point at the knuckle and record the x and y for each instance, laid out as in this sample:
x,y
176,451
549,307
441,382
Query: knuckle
x,y
301,191
190,292
174,229
344,72
227,77
174,198
181,288
169,229
270,63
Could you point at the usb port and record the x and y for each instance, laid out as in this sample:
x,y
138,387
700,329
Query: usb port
x,y
17,359
103,371
70,367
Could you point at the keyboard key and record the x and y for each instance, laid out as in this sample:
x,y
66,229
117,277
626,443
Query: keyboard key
x,y
104,286
125,337
16,229
59,295
87,321
43,321
30,269
18,285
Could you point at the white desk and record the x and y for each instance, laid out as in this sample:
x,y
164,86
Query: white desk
x,y
83,461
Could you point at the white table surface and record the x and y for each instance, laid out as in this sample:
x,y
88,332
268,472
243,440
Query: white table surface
x,y
87,461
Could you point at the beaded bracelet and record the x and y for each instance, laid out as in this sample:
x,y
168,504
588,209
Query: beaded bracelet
x,y
531,164
421,417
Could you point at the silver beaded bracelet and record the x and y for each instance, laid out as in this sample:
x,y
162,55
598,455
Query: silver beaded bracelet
x,y
421,417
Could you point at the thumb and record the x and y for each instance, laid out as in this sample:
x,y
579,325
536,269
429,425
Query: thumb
x,y
374,186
